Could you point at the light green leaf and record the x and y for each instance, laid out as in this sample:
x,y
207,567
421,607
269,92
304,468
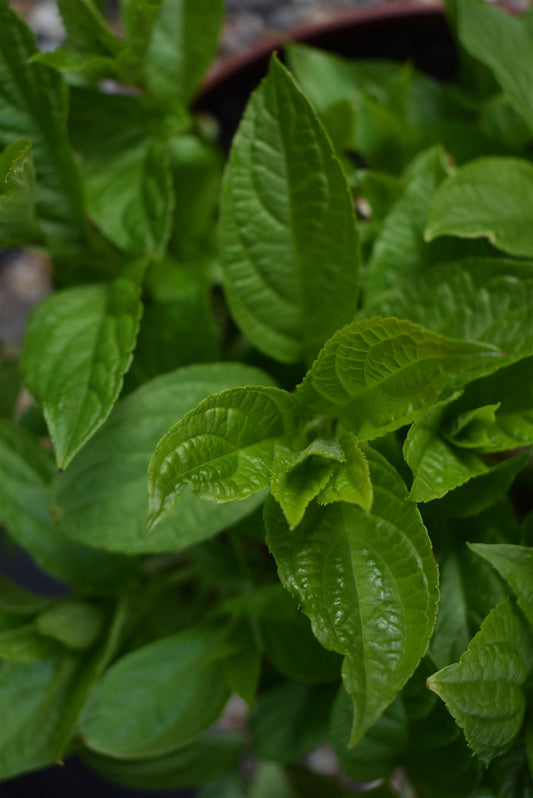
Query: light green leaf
x,y
33,697
33,106
437,465
271,779
297,477
77,348
350,481
27,470
25,644
378,374
288,240
74,623
515,565
183,42
94,67
129,714
224,448
378,571
488,197
476,299
483,691
203,759
504,43
102,498
17,206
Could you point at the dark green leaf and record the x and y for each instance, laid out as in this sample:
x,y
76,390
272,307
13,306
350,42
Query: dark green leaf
x,y
289,244
78,346
488,197
86,28
378,374
483,691
33,106
129,714
224,448
515,565
112,514
25,644
377,570
74,623
17,206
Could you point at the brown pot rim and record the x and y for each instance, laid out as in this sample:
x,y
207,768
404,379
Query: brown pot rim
x,y
226,67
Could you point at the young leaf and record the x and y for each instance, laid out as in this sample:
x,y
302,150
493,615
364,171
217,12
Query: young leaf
x,y
490,197
503,43
483,691
288,239
77,348
137,687
183,42
350,480
297,477
33,106
112,513
378,374
17,205
515,565
27,470
74,623
224,449
377,570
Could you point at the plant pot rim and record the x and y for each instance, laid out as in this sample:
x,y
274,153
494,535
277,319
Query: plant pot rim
x,y
226,67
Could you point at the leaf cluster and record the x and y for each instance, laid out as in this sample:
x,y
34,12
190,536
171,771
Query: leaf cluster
x,y
278,456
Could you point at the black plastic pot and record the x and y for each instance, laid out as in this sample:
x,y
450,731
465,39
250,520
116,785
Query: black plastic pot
x,y
403,32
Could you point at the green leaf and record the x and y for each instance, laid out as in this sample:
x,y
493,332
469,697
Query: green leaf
x,y
26,473
25,644
488,197
378,374
77,348
515,565
288,240
10,385
33,106
33,697
350,480
224,448
290,721
480,299
129,714
504,43
529,745
101,499
183,42
298,477
138,17
94,67
483,691
377,570
86,28
16,600
205,758
271,779
74,623
242,670
17,206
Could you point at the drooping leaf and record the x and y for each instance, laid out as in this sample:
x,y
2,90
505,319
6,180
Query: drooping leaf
x,y
488,197
483,691
74,623
378,374
183,42
503,43
480,299
129,714
515,565
205,758
33,106
17,205
112,514
27,469
77,348
289,244
377,570
224,449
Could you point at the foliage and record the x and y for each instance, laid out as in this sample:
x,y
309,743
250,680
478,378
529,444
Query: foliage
x,y
238,383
